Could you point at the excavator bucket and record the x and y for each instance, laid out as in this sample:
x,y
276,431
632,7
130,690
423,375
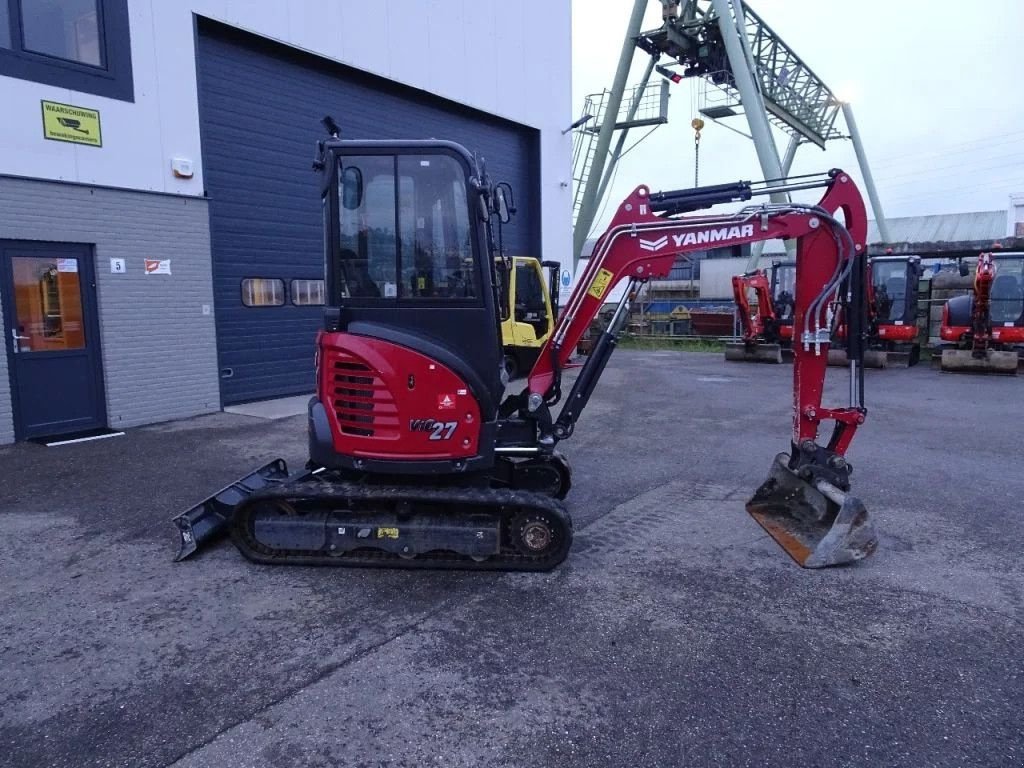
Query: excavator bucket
x,y
994,361
211,517
815,522
753,353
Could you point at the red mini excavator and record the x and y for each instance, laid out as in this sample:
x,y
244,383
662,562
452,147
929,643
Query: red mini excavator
x,y
892,293
417,459
986,329
768,329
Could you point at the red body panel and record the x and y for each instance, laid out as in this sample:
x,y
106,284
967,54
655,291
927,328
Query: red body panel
x,y
374,391
1001,335
897,332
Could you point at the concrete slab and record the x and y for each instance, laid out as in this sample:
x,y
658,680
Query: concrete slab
x,y
676,633
279,408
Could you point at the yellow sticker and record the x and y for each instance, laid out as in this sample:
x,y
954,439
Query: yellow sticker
x,y
600,284
387,533
64,122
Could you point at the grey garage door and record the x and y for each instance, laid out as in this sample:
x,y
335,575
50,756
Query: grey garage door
x,y
260,110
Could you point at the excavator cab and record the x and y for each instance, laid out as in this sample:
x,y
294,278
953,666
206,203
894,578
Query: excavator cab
x,y
408,255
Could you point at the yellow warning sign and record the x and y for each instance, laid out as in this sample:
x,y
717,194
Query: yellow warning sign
x,y
600,284
64,122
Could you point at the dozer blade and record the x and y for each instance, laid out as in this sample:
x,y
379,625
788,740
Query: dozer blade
x,y
818,525
994,361
754,353
894,359
211,517
873,358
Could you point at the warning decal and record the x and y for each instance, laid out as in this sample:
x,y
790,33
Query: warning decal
x,y
64,122
600,284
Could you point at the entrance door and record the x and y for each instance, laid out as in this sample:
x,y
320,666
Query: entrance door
x,y
52,338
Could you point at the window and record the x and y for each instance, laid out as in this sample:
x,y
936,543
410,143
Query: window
x,y
262,292
82,45
404,229
890,286
308,293
437,259
367,227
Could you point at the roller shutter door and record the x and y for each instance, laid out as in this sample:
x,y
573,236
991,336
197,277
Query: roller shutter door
x,y
260,109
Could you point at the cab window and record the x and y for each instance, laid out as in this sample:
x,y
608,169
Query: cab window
x,y
404,229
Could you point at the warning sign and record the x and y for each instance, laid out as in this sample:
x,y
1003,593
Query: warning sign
x,y
64,122
600,284
445,402
158,266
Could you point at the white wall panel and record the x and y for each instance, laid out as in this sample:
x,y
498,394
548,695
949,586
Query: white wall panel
x,y
512,59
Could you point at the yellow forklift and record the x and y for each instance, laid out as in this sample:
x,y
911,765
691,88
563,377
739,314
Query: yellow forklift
x,y
529,308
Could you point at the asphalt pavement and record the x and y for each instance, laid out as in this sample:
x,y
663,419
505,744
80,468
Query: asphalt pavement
x,y
676,634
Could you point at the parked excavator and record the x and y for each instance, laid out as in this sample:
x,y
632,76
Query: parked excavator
x,y
416,457
986,328
529,291
893,293
768,325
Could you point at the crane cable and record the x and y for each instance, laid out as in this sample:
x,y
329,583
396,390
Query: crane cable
x,y
697,124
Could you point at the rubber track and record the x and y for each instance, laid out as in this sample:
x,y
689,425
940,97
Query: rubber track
x,y
331,492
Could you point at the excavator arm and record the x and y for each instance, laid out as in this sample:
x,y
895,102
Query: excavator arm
x,y
981,318
762,322
804,504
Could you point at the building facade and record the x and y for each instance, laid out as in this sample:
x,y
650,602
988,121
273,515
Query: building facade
x,y
160,228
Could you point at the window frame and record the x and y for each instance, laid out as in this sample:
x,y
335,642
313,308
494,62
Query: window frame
x,y
113,79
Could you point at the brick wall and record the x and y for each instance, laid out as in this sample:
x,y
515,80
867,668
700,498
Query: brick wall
x,y
159,349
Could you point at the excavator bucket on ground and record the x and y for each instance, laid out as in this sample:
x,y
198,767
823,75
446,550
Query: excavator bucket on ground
x,y
753,353
818,524
992,361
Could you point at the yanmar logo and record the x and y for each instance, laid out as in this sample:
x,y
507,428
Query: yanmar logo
x,y
707,236
703,237
654,245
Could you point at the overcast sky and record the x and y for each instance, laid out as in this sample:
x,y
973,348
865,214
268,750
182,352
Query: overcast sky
x,y
937,88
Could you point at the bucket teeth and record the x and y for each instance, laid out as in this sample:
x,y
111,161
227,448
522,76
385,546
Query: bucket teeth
x,y
817,525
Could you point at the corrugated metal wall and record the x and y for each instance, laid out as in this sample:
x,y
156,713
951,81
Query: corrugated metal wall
x,y
260,110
